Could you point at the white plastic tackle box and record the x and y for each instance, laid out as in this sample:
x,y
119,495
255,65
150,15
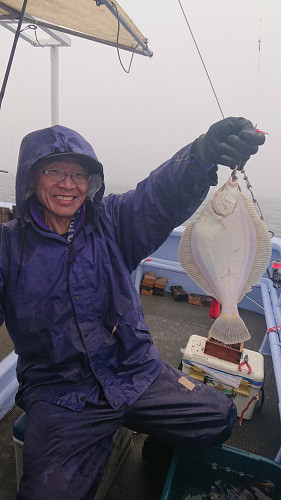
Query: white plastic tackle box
x,y
224,375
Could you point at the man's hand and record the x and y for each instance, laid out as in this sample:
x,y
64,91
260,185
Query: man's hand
x,y
228,142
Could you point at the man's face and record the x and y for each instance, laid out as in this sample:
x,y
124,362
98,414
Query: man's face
x,y
61,198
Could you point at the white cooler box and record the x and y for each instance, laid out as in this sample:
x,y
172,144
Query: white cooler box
x,y
224,375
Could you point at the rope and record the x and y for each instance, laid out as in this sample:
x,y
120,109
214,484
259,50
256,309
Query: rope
x,y
274,329
254,398
33,27
117,43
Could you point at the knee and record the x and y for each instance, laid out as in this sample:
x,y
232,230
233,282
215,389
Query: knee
x,y
226,418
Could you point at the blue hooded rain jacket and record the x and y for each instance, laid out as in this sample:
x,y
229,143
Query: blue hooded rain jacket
x,y
62,301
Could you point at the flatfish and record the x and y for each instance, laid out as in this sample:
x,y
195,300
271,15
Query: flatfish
x,y
226,251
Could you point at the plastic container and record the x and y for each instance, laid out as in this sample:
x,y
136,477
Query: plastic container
x,y
188,466
224,375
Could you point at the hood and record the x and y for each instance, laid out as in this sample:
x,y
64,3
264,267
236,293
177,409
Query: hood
x,y
56,140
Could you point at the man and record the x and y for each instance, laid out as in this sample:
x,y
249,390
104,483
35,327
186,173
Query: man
x,y
87,364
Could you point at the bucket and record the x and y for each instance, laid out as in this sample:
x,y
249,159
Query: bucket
x,y
187,472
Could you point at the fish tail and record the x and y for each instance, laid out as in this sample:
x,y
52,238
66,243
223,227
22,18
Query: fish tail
x,y
229,330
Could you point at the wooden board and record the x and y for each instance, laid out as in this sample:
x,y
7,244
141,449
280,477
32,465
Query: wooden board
x,y
179,293
227,352
160,283
148,281
146,292
158,291
199,300
147,288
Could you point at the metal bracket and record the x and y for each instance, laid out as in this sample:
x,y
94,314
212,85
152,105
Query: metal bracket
x,y
56,39
10,20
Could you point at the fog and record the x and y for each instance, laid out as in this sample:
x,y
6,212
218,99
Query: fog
x,y
138,120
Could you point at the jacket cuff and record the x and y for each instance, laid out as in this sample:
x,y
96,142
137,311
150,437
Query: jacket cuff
x,y
199,157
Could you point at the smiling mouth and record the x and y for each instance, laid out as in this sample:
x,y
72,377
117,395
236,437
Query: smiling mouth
x,y
64,198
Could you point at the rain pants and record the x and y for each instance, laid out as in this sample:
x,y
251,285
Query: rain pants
x,y
85,354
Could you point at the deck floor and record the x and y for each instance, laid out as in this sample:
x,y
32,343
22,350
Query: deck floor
x,y
6,343
171,324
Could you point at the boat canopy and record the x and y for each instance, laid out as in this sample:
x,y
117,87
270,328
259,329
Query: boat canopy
x,y
84,18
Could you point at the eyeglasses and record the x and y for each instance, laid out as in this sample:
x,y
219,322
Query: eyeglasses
x,y
58,175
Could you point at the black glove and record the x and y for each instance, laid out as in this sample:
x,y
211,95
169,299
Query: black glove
x,y
228,142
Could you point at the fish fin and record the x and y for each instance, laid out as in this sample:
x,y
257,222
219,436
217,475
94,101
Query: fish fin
x,y
188,263
229,330
263,250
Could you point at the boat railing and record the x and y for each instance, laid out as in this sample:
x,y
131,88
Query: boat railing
x,y
271,344
8,383
8,211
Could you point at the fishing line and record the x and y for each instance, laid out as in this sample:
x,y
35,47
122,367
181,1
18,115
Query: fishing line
x,y
249,186
202,60
259,64
20,101
245,177
261,307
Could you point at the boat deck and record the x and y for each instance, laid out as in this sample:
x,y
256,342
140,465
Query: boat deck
x,y
6,343
171,324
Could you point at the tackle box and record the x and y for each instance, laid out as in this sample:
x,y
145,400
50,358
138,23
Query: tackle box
x,y
241,386
212,467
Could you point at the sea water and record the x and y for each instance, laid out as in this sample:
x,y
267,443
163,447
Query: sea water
x,y
271,208
217,483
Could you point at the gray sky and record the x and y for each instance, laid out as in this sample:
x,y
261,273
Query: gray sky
x,y
137,121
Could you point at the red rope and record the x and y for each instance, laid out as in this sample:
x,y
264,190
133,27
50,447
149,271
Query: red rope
x,y
274,329
256,397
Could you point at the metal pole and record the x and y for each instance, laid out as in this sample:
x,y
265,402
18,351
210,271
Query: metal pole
x,y
124,23
54,55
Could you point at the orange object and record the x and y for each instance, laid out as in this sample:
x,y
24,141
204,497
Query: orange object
x,y
215,309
